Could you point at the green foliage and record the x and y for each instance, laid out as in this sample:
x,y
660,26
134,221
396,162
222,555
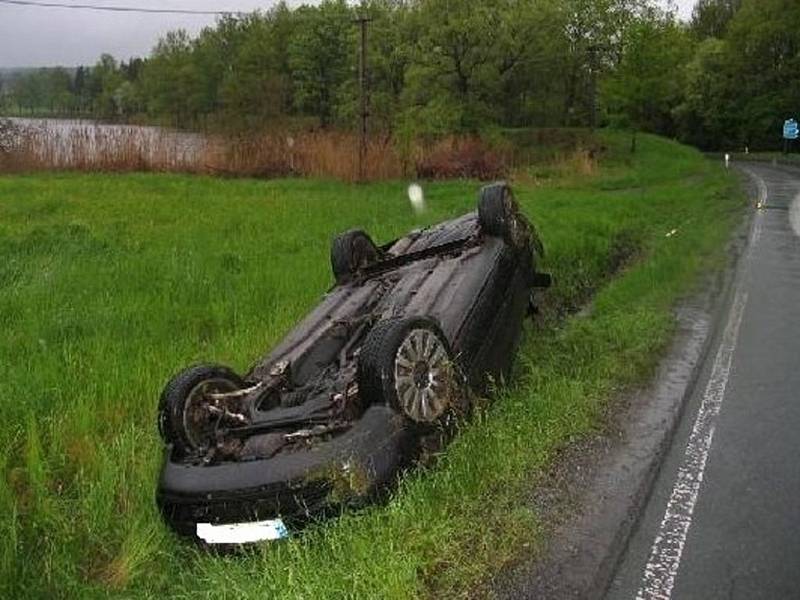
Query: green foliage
x,y
710,18
45,90
764,56
169,81
254,90
742,86
647,84
436,67
708,110
321,57
108,80
460,52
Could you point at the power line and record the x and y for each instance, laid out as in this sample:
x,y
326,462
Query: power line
x,y
127,9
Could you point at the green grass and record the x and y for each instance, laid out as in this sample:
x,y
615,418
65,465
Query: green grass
x,y
108,284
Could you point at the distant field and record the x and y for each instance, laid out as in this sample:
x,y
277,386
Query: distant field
x,y
110,283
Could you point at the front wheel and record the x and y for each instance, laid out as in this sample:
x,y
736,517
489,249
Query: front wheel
x,y
407,364
184,419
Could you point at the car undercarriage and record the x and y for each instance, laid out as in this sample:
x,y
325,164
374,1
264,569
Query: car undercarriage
x,y
390,359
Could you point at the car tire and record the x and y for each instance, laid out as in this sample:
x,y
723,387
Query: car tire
x,y
407,364
179,420
352,251
499,216
496,209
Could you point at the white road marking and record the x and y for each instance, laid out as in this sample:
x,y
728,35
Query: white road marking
x,y
662,566
794,215
665,555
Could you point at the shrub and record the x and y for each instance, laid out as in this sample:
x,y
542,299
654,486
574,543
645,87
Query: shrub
x,y
468,157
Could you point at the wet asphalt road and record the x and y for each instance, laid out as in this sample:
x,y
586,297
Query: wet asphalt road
x,y
723,520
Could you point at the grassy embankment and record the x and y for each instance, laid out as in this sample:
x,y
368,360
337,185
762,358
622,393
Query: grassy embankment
x,y
108,284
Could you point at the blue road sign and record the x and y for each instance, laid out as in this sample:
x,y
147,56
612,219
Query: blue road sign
x,y
791,130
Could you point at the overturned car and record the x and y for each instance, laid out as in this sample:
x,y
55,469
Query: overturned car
x,y
387,362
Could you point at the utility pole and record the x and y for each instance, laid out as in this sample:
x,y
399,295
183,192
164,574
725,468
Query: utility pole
x,y
362,80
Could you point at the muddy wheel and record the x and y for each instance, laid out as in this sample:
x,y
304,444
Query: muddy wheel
x,y
350,252
498,213
407,364
182,418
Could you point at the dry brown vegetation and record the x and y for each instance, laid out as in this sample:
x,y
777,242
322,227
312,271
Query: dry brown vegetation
x,y
454,157
325,154
89,147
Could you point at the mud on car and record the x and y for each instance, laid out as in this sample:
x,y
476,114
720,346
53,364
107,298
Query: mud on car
x,y
389,360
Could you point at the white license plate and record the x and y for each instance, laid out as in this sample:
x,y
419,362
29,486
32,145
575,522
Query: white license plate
x,y
242,533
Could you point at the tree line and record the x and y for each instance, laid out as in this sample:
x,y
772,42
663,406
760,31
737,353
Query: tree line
x,y
728,78
108,90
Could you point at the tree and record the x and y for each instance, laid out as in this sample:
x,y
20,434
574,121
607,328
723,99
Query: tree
x,y
708,114
167,78
443,66
79,89
710,18
106,78
646,85
321,57
255,90
595,31
764,56
43,91
740,88
3,93
464,56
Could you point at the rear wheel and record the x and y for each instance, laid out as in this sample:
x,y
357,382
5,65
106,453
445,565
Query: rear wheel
x,y
407,364
183,416
352,251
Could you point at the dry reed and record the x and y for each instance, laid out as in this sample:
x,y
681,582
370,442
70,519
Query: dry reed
x,y
326,154
89,147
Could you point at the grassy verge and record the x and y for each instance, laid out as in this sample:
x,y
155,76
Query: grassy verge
x,y
110,283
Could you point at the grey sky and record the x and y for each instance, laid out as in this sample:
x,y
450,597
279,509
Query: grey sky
x,y
31,36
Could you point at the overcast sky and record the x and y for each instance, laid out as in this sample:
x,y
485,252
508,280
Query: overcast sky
x,y
34,36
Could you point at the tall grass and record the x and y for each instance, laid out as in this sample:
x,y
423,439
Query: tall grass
x,y
81,146
108,284
321,154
